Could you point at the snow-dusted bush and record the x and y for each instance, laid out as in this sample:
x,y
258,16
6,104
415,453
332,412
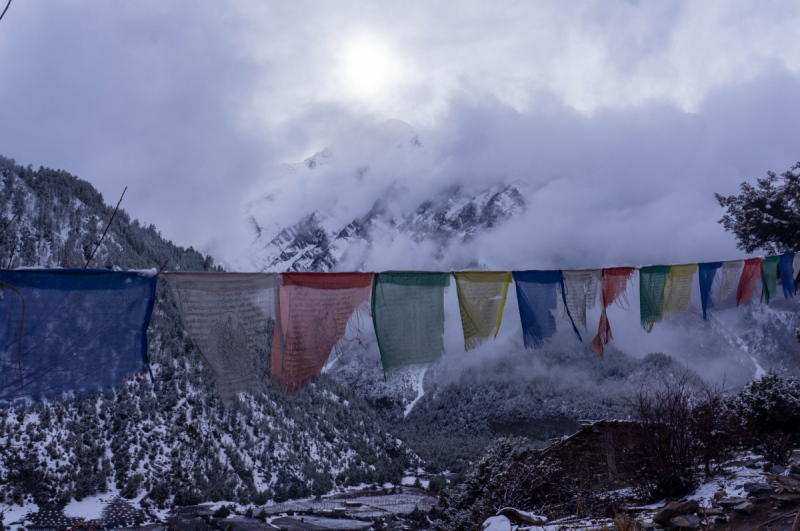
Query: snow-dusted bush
x,y
770,411
684,427
770,404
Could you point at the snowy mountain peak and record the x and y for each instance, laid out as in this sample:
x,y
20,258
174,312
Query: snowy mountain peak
x,y
317,243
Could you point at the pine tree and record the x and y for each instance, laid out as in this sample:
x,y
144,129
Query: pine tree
x,y
766,216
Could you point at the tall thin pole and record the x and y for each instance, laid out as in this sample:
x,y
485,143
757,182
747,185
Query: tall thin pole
x,y
107,226
6,9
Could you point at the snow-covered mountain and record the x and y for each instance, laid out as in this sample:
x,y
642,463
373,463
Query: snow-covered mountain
x,y
317,243
346,204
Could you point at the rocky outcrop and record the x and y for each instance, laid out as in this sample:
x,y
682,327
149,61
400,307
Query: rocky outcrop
x,y
675,509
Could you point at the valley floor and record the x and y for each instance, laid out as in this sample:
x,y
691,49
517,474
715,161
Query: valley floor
x,y
357,509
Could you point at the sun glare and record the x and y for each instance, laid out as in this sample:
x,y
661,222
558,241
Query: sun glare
x,y
369,67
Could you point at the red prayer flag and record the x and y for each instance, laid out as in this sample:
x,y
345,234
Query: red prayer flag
x,y
313,311
615,282
753,270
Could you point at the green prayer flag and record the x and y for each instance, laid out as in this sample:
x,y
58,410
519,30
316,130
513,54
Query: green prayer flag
x,y
408,315
771,264
652,281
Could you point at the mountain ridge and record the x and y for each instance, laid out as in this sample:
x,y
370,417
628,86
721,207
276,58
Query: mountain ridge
x,y
309,245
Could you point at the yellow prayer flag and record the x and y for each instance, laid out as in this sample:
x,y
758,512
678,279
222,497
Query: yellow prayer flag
x,y
481,298
678,292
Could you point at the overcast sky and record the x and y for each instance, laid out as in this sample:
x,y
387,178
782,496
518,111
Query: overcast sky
x,y
619,118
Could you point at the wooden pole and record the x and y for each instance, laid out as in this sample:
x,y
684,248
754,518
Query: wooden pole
x,y
796,524
6,9
107,226
9,223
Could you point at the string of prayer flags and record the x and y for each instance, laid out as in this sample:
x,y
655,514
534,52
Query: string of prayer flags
x,y
537,293
313,310
230,317
787,275
678,292
652,282
615,284
752,272
481,298
731,274
580,288
408,315
769,270
72,330
707,272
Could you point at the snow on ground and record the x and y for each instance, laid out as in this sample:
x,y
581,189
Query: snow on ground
x,y
89,508
759,369
732,483
17,514
497,523
420,391
410,480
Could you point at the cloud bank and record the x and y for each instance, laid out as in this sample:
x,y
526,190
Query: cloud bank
x,y
194,106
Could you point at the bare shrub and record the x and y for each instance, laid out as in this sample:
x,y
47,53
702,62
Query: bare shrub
x,y
777,447
715,426
684,427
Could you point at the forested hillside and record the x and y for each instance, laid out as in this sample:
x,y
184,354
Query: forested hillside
x,y
171,437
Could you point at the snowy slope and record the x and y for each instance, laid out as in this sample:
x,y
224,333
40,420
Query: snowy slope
x,y
174,442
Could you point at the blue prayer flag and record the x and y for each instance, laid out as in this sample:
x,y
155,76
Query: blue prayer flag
x,y
707,272
536,295
787,275
72,329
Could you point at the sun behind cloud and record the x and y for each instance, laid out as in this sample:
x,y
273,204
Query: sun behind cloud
x,y
369,68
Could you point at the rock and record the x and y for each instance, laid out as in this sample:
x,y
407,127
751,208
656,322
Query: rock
x,y
789,481
673,509
730,503
758,488
497,523
687,521
776,469
767,465
720,494
786,500
521,517
708,511
721,520
744,508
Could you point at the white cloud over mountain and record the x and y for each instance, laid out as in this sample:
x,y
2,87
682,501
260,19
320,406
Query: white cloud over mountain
x,y
621,119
